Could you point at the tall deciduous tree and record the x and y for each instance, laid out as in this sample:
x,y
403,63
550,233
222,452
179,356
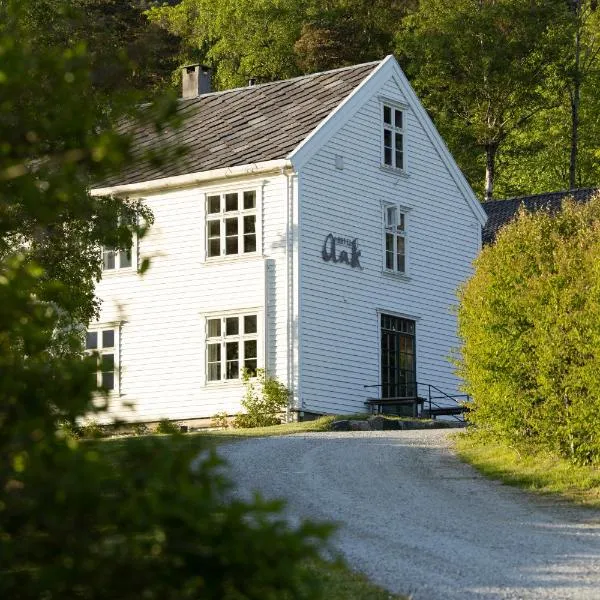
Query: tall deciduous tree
x,y
480,66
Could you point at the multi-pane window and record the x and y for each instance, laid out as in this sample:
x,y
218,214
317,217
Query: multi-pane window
x,y
103,344
395,239
393,137
231,223
116,259
231,345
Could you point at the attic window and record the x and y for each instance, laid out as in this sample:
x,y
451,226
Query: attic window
x,y
393,137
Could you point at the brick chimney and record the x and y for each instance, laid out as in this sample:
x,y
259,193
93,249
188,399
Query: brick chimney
x,y
195,80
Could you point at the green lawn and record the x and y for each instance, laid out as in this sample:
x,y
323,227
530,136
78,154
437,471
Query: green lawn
x,y
541,473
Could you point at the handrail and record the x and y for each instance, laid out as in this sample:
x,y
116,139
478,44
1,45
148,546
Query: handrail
x,y
431,398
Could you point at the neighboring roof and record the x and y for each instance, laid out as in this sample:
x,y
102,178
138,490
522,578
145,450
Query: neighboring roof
x,y
501,212
244,125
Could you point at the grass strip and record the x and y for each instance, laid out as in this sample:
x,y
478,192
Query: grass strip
x,y
340,583
539,472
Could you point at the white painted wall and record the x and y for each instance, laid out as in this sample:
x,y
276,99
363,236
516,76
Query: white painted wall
x,y
339,325
162,313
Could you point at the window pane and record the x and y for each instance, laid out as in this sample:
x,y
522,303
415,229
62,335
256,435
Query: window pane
x,y
387,156
91,340
387,115
231,226
213,327
125,258
250,349
398,119
399,160
231,245
213,352
250,224
214,247
108,362
213,205
232,350
214,229
232,326
389,260
108,338
231,202
108,381
401,223
233,369
387,138
251,366
250,243
250,324
389,242
400,244
249,200
214,372
390,214
401,263
108,259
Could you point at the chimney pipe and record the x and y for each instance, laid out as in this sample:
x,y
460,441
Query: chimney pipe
x,y
251,81
195,80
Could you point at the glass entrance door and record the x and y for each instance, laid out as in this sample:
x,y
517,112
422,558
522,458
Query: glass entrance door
x,y
398,358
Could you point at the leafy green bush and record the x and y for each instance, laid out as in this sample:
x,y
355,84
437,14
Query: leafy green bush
x,y
220,419
266,398
529,320
168,427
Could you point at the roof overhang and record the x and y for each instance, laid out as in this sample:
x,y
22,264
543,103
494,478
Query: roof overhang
x,y
192,179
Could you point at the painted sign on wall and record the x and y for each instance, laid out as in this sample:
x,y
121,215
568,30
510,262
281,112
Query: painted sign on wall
x,y
341,250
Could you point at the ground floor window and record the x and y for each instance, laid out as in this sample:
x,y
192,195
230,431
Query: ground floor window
x,y
103,343
398,357
231,345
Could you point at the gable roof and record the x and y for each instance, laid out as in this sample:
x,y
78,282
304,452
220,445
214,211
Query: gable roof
x,y
244,125
501,212
387,68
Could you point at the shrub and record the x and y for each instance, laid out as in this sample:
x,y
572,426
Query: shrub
x,y
167,427
528,320
220,420
137,518
265,399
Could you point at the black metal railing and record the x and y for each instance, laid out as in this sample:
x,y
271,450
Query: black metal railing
x,y
421,395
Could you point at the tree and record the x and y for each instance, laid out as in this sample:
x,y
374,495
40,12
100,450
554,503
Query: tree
x,y
480,67
149,518
528,320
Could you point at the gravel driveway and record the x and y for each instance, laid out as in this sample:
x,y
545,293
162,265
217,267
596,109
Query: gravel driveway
x,y
419,522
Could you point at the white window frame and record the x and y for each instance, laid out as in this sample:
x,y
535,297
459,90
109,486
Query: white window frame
x,y
101,350
240,214
117,255
394,130
222,339
399,228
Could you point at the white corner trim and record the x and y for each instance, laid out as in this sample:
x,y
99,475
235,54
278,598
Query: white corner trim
x,y
269,166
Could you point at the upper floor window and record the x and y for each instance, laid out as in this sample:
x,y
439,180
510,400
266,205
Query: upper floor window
x,y
395,239
393,137
104,343
231,223
116,259
231,345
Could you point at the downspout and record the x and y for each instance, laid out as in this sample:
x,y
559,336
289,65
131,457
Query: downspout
x,y
290,248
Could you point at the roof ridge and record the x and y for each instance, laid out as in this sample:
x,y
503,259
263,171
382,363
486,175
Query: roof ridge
x,y
280,81
532,196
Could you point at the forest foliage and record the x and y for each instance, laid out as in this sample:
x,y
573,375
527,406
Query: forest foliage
x,y
528,320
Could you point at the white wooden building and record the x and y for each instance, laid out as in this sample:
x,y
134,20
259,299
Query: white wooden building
x,y
317,227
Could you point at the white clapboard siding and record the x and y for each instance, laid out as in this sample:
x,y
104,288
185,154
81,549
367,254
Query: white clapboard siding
x,y
339,324
162,313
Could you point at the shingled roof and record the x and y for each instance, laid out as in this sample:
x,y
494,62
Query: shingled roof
x,y
501,212
244,125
